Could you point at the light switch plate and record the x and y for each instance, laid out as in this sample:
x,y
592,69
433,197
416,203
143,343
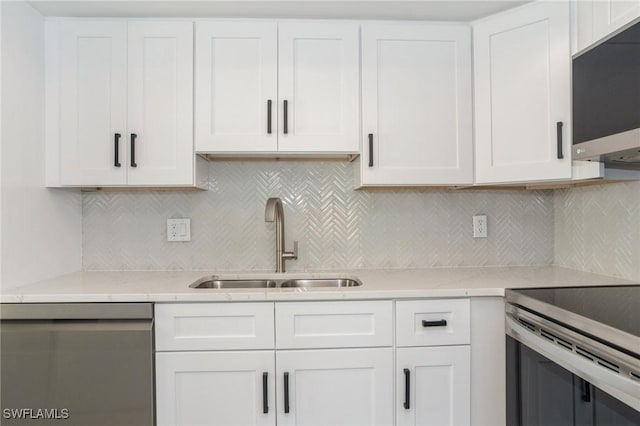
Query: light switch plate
x,y
179,229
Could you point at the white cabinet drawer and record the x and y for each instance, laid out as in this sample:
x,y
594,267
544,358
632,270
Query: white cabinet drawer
x,y
433,322
211,326
333,324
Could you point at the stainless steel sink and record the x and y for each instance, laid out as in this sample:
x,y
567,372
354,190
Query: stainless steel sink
x,y
321,282
212,282
220,283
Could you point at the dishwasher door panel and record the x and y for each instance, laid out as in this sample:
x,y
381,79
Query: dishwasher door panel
x,y
101,371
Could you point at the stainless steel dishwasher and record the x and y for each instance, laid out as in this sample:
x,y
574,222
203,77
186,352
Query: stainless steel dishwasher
x,y
76,364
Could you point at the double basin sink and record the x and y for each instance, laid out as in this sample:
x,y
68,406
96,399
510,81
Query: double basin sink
x,y
216,282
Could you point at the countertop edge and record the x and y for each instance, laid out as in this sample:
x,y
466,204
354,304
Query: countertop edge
x,y
173,286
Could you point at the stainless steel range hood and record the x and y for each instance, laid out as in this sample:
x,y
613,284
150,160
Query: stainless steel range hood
x,y
621,150
606,101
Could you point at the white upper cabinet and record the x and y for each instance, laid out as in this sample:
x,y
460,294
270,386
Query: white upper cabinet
x,y
319,79
416,105
92,102
120,103
610,15
522,95
249,73
160,88
236,86
597,19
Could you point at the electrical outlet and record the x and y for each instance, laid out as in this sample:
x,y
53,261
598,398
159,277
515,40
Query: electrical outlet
x,y
178,229
480,226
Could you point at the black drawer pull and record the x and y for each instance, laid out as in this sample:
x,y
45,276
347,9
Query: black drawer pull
x,y
407,388
116,143
559,139
265,395
286,393
438,323
133,150
370,149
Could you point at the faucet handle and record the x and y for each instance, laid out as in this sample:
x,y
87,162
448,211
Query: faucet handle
x,y
291,254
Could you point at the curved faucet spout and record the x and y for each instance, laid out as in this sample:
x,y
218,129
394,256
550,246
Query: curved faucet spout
x,y
274,212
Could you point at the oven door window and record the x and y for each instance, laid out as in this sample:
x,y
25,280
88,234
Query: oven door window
x,y
541,393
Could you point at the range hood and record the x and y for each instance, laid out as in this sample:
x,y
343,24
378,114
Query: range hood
x,y
620,150
606,101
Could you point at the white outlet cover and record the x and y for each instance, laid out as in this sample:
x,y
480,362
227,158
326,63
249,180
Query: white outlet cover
x,y
179,229
480,226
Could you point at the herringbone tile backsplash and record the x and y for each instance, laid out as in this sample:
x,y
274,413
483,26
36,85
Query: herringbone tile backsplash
x,y
337,227
597,229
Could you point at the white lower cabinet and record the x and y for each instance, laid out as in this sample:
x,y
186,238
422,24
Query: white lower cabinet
x,y
215,388
433,386
433,362
335,387
279,374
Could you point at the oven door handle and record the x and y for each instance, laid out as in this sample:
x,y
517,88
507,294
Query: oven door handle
x,y
585,389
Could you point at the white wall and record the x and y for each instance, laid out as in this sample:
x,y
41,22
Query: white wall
x,y
41,228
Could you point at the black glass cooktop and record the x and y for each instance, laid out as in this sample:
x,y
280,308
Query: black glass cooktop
x,y
617,306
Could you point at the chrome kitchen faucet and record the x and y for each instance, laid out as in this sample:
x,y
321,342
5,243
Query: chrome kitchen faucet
x,y
273,212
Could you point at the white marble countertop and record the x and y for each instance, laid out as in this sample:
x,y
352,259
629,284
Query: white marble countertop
x,y
172,286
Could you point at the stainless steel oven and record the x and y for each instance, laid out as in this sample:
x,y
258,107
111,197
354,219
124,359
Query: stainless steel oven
x,y
573,356
76,364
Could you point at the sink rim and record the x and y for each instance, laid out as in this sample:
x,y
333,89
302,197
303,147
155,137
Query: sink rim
x,y
229,283
316,283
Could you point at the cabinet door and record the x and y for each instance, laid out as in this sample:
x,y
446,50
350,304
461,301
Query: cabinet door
x,y
438,386
522,66
160,82
236,85
335,387
416,105
596,20
319,78
611,15
92,66
215,388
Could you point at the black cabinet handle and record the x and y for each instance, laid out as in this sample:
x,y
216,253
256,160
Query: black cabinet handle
x,y
286,391
133,150
559,139
116,143
407,388
265,395
285,105
370,149
586,390
269,116
438,323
